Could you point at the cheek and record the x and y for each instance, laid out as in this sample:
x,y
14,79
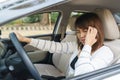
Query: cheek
x,y
85,33
77,35
79,38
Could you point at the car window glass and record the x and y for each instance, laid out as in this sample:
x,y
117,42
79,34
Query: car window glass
x,y
112,77
36,24
117,19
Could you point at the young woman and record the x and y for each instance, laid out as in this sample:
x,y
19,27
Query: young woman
x,y
88,55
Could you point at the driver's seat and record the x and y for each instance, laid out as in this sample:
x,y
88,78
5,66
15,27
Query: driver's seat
x,y
61,61
56,71
111,40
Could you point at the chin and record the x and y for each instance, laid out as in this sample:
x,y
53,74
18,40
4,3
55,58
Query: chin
x,y
82,43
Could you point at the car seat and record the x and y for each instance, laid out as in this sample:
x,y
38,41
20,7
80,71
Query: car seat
x,y
60,61
111,32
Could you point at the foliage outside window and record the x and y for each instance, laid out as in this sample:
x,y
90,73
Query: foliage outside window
x,y
36,24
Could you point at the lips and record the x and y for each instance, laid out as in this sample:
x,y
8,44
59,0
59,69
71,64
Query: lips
x,y
83,41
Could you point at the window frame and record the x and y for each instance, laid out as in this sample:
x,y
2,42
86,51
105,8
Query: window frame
x,y
99,74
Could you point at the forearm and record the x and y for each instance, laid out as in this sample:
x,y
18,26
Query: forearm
x,y
22,38
86,63
27,40
53,47
82,65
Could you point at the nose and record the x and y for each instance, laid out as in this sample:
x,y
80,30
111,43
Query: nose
x,y
82,35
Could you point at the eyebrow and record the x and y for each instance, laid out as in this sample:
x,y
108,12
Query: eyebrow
x,y
76,30
82,29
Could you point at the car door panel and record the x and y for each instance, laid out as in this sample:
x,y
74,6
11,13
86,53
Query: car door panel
x,y
35,54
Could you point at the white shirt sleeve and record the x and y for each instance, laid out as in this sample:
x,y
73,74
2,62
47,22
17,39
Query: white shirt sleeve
x,y
53,47
86,63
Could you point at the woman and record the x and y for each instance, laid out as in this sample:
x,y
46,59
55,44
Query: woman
x,y
89,54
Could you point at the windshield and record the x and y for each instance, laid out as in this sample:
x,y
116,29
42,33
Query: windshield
x,y
18,8
8,3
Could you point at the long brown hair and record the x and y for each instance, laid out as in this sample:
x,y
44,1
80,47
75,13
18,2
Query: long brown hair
x,y
93,20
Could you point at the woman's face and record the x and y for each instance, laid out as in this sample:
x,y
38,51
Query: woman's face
x,y
81,34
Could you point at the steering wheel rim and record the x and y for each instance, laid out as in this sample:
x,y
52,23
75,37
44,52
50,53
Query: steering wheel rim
x,y
22,53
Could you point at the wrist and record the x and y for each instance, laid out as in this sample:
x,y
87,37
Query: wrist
x,y
27,40
88,44
86,51
87,48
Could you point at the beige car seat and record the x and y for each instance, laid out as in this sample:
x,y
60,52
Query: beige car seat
x,y
61,61
111,32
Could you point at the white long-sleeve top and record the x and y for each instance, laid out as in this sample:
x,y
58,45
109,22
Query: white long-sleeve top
x,y
85,63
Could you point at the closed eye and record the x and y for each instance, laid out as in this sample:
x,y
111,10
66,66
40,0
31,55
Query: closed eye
x,y
77,31
85,30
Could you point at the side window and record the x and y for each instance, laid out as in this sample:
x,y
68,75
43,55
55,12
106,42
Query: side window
x,y
117,18
72,19
36,24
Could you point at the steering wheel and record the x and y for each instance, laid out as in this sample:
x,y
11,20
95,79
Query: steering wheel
x,y
22,53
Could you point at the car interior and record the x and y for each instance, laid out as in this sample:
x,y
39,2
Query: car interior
x,y
111,40
55,66
112,34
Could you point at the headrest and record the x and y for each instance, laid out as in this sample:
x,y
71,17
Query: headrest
x,y
111,30
72,22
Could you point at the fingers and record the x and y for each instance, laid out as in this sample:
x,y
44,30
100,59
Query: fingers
x,y
16,33
91,36
92,31
19,36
